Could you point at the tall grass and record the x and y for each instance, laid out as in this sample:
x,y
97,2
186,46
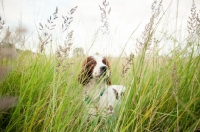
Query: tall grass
x,y
164,96
163,92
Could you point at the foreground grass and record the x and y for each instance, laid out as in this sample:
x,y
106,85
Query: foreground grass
x,y
163,94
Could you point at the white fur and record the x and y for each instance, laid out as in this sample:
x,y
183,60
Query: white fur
x,y
97,102
96,85
108,101
96,71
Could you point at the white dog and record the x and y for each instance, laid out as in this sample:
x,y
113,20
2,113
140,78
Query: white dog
x,y
98,93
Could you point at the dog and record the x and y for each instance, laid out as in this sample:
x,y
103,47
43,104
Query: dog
x,y
98,93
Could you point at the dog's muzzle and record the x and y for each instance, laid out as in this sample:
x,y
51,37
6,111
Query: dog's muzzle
x,y
103,69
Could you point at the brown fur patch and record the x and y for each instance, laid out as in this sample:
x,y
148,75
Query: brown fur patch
x,y
86,72
105,61
116,94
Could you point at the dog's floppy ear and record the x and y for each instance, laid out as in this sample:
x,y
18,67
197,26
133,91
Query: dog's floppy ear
x,y
85,75
108,80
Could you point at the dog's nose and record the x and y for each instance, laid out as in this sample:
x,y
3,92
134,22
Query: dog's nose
x,y
103,68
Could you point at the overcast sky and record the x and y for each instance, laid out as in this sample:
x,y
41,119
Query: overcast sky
x,y
124,18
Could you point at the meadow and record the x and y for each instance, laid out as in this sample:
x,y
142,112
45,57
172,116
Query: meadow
x,y
163,92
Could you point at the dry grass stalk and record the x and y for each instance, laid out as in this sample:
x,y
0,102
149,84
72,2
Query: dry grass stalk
x,y
175,79
67,20
78,52
126,67
156,8
198,25
193,30
104,16
63,50
46,36
193,24
145,43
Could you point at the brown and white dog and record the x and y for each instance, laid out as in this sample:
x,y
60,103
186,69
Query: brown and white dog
x,y
101,96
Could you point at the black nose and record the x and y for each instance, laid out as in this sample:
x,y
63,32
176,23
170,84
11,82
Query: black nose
x,y
103,68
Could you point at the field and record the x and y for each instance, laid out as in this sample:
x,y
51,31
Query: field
x,y
162,95
163,92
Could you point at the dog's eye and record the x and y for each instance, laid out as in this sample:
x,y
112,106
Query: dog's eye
x,y
91,63
104,61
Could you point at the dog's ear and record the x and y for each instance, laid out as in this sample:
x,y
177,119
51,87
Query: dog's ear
x,y
85,74
108,81
116,93
83,77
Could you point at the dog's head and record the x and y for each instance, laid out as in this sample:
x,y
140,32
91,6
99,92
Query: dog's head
x,y
95,67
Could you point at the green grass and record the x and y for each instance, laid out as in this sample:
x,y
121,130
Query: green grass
x,y
163,94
